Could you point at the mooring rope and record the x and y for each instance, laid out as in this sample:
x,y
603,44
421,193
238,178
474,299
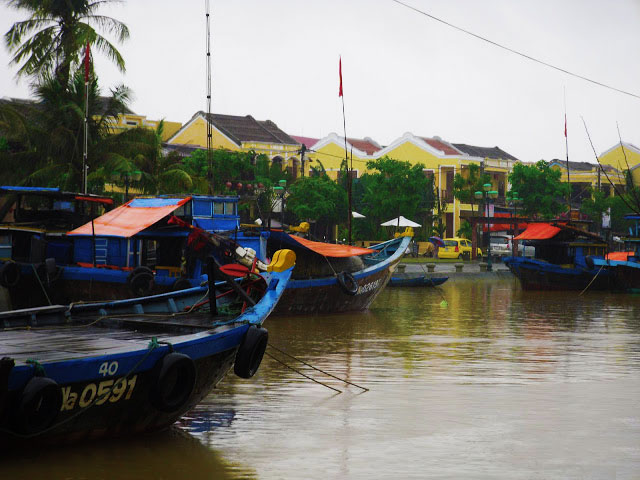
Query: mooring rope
x,y
302,374
316,368
594,277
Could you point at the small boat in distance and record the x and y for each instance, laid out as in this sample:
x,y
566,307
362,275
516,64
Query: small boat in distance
x,y
73,373
331,278
563,259
408,280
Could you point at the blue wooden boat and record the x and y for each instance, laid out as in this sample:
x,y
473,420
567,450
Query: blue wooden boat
x,y
80,372
563,259
624,267
144,247
331,278
407,280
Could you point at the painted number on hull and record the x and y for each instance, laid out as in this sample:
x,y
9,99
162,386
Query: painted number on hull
x,y
368,287
99,393
108,369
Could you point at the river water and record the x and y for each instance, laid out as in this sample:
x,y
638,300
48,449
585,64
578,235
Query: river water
x,y
497,383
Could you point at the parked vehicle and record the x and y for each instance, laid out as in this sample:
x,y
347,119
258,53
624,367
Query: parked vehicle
x,y
457,248
502,245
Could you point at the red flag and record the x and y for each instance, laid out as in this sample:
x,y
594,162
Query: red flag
x,y
87,63
565,126
340,73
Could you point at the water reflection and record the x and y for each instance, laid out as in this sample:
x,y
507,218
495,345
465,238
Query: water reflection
x,y
501,383
167,455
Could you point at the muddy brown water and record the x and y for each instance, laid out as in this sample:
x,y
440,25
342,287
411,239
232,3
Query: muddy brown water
x,y
500,383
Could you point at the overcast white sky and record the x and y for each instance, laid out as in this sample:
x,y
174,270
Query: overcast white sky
x,y
402,71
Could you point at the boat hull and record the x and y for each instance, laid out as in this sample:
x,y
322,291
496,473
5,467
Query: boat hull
x,y
325,294
537,275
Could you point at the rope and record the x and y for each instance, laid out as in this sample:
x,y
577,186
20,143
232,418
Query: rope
x,y
594,277
41,284
305,376
37,367
316,368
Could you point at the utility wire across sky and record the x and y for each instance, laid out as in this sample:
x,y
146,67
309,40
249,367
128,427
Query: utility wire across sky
x,y
524,55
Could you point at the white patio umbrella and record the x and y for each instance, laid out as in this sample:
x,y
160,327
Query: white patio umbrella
x,y
357,215
400,222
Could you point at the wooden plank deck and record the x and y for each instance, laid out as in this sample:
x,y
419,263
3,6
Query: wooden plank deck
x,y
110,335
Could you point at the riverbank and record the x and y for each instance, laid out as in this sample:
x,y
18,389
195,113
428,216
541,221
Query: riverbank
x,y
448,268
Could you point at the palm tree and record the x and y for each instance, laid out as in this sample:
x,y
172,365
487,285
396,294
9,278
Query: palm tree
x,y
52,40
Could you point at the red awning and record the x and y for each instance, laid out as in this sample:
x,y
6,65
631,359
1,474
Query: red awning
x,y
619,256
332,249
538,231
501,227
131,218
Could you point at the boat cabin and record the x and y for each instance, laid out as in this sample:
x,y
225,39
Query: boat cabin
x,y
562,244
35,221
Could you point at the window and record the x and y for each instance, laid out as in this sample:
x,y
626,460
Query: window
x,y
218,208
229,208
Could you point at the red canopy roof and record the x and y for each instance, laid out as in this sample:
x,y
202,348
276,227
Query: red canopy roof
x,y
332,249
538,231
619,256
132,217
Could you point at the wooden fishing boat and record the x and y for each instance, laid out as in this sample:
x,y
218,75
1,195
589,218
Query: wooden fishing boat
x,y
331,278
144,247
79,372
563,259
624,267
408,280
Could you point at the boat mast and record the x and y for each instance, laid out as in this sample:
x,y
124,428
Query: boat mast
x,y
208,120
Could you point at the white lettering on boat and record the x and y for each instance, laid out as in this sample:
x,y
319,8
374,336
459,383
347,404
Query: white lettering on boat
x,y
368,287
108,369
111,390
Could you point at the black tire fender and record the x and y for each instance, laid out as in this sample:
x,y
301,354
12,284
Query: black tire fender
x,y
348,283
10,274
181,284
38,406
141,282
175,380
589,261
251,351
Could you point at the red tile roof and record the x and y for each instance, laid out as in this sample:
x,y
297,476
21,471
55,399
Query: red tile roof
x,y
307,141
364,145
442,146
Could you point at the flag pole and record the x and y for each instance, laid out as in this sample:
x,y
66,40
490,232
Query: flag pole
x,y
346,152
566,149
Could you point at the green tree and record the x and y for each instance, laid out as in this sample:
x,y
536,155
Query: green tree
x,y
465,186
52,39
540,188
393,188
317,199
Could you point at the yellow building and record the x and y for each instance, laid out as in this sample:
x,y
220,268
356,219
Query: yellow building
x,y
623,156
240,133
126,121
585,176
442,161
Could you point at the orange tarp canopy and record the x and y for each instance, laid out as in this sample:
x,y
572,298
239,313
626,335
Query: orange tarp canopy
x,y
501,227
325,249
131,218
538,231
619,256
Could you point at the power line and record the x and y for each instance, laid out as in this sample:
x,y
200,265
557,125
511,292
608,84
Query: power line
x,y
528,57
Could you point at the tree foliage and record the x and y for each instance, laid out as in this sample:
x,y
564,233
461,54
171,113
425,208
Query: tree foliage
x,y
465,186
540,188
318,199
51,41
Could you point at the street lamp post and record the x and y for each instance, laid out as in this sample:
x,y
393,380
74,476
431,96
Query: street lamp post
x,y
487,196
134,175
280,190
513,196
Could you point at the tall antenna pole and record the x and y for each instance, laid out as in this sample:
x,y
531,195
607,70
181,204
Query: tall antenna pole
x,y
346,153
85,146
208,120
566,148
